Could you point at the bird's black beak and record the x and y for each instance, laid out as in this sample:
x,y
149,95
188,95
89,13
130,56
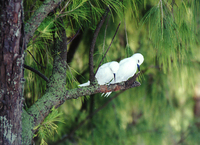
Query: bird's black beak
x,y
138,67
114,78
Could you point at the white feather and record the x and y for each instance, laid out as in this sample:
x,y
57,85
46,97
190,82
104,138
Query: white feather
x,y
105,73
127,68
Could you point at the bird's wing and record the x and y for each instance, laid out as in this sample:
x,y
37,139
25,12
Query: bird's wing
x,y
127,69
124,60
104,75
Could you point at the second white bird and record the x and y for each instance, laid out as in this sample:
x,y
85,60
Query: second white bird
x,y
127,68
105,73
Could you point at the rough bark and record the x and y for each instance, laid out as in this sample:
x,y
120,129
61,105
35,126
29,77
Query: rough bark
x,y
11,72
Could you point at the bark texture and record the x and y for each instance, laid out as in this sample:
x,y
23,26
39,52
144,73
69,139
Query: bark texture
x,y
11,72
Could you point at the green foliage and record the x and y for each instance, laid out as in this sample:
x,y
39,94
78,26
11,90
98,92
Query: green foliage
x,y
48,127
160,111
71,81
170,33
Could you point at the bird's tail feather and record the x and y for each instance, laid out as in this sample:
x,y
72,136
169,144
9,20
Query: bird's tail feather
x,y
84,84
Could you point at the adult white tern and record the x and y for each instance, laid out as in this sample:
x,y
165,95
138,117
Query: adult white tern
x,y
105,73
127,68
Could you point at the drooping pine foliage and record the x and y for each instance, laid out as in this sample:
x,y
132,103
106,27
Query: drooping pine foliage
x,y
161,110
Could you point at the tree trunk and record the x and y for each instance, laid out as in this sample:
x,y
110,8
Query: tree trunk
x,y
11,71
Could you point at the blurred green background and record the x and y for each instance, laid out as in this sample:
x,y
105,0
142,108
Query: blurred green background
x,y
164,110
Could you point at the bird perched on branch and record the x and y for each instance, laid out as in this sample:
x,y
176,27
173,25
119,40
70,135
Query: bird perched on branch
x,y
105,74
127,68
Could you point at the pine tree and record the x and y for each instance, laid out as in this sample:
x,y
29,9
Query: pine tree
x,y
62,44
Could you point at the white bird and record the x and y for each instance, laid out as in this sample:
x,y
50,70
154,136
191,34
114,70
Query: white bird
x,y
105,73
127,68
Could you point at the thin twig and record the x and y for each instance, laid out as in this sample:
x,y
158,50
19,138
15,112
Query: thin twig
x,y
126,32
184,135
35,59
36,71
64,7
74,36
105,33
108,48
161,8
92,76
172,9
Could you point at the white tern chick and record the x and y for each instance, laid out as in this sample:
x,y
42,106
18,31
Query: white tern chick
x,y
105,73
127,68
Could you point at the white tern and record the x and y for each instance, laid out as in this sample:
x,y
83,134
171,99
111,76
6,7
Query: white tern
x,y
105,73
127,68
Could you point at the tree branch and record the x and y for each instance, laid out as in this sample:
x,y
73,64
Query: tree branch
x,y
57,95
74,36
35,59
105,32
36,71
96,32
55,87
39,15
86,118
108,48
73,46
